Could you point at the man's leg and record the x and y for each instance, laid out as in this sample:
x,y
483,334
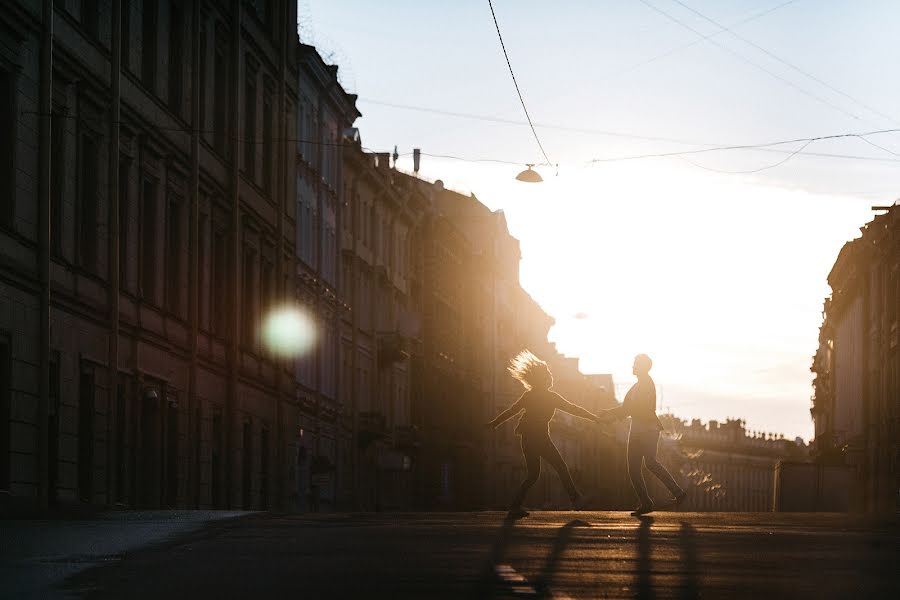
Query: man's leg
x,y
659,470
552,455
635,460
533,464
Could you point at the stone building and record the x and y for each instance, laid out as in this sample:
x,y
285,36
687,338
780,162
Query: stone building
x,y
325,115
144,235
380,335
722,465
856,399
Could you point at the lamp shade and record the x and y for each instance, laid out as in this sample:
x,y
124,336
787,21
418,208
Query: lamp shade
x,y
530,176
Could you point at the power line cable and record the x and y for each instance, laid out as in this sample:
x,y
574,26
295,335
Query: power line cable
x,y
888,150
602,132
766,168
503,121
671,51
789,64
515,83
766,147
748,146
754,64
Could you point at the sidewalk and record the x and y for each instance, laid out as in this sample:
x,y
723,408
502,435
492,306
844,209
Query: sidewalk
x,y
36,555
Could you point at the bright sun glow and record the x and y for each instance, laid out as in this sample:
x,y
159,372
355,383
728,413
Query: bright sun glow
x,y
719,279
288,331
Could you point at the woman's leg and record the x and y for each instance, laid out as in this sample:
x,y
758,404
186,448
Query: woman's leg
x,y
533,464
551,454
659,470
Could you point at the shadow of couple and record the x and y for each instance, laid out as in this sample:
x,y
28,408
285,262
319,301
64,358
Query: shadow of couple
x,y
497,571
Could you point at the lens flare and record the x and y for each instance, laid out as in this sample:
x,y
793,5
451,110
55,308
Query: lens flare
x,y
288,331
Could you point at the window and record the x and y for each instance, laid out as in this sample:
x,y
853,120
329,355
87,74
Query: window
x,y
53,430
202,273
174,254
249,308
86,433
126,35
218,295
121,422
247,464
148,238
7,142
176,58
124,212
5,406
88,202
264,469
300,129
57,179
89,17
216,460
203,81
220,73
250,127
267,288
148,44
268,145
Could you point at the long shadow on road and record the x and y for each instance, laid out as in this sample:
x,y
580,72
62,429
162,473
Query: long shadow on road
x,y
496,572
687,543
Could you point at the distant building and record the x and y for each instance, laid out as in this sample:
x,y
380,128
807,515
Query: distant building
x,y
381,331
723,467
856,399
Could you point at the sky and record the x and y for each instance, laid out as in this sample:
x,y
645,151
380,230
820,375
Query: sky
x,y
713,263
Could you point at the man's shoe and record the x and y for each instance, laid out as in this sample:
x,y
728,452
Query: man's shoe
x,y
679,498
517,513
642,510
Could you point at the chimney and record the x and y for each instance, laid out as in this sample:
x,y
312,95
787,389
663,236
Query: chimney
x,y
383,160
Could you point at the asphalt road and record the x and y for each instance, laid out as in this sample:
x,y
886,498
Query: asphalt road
x,y
480,555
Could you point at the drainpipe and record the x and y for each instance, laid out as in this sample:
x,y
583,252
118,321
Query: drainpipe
x,y
280,191
193,404
46,105
112,261
234,347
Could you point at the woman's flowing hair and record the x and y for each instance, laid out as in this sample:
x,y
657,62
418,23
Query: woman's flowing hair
x,y
527,368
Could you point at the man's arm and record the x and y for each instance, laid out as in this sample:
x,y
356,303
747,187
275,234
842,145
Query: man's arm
x,y
507,414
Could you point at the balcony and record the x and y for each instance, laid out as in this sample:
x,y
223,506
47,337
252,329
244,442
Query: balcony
x,y
391,349
372,427
407,438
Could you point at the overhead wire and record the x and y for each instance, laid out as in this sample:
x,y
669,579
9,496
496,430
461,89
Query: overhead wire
x,y
516,84
747,146
790,64
697,41
754,64
763,147
747,172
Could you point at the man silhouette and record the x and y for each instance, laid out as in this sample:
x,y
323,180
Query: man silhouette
x,y
643,437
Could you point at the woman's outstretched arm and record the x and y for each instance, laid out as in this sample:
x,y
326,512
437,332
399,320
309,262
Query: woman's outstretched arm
x,y
507,414
573,409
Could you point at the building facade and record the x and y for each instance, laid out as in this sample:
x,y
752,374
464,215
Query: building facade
x,y
146,234
381,334
856,399
325,115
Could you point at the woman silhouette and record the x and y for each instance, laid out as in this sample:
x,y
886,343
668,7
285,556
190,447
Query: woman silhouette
x,y
540,404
